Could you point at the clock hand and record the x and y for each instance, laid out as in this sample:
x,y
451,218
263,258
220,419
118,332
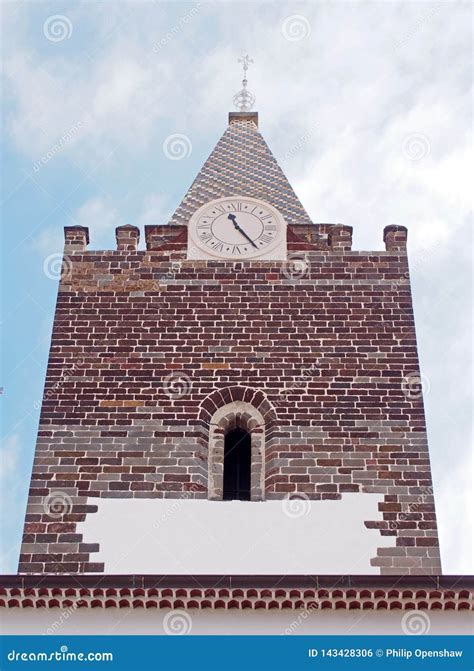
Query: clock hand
x,y
232,217
246,236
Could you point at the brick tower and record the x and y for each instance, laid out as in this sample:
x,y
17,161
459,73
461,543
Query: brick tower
x,y
242,396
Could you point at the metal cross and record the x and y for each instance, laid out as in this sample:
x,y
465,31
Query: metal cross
x,y
244,99
245,60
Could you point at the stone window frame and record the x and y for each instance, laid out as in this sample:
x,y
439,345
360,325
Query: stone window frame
x,y
211,427
233,415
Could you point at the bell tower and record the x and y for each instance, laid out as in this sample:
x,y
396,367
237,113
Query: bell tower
x,y
240,396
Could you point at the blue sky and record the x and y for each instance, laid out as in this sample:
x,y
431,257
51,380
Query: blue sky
x,y
367,107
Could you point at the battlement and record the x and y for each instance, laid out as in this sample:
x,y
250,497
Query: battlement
x,y
317,237
148,345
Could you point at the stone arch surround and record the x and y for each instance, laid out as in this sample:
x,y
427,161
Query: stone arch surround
x,y
241,415
237,407
220,397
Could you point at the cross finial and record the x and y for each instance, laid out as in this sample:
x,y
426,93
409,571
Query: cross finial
x,y
245,60
244,99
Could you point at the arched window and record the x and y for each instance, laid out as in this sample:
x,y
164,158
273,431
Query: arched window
x,y
237,465
236,453
241,455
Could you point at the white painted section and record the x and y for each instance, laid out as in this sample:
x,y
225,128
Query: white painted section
x,y
176,536
122,621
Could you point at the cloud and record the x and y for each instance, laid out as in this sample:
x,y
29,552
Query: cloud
x,y
100,216
155,210
12,499
108,98
49,241
9,458
117,105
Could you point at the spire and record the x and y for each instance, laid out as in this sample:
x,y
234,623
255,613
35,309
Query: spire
x,y
242,164
244,100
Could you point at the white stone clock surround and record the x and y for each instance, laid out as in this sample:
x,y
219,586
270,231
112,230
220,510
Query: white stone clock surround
x,y
212,235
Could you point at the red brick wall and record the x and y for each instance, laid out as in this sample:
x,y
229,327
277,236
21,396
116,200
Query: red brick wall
x,y
144,340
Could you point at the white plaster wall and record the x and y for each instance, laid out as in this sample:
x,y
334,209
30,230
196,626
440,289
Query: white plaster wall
x,y
124,621
176,536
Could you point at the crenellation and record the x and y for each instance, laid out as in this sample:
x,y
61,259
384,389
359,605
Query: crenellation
x,y
395,238
76,239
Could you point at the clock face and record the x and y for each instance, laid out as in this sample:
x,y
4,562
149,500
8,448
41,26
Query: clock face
x,y
236,228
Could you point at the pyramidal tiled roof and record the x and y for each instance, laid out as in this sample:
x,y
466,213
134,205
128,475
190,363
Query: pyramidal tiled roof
x,y
242,164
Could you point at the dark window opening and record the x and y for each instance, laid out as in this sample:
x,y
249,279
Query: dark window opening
x,y
237,450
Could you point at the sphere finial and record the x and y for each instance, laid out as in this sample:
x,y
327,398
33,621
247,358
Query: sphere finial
x,y
244,100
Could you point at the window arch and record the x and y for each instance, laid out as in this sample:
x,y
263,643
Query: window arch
x,y
236,419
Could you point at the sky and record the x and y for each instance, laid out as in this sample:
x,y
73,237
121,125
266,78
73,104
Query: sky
x,y
110,108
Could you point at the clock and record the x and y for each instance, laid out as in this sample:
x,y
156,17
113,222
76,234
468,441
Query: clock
x,y
237,227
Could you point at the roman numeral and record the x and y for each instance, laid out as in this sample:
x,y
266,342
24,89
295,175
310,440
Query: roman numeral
x,y
215,244
265,238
